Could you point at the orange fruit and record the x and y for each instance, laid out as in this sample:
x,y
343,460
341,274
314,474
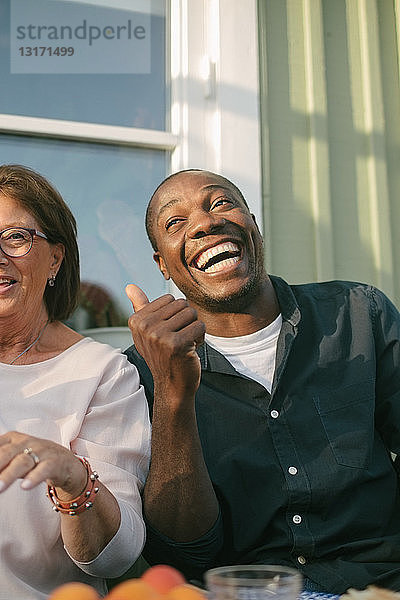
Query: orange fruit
x,y
186,591
74,591
163,578
132,589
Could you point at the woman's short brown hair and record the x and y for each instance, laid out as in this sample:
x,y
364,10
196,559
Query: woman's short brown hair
x,y
55,219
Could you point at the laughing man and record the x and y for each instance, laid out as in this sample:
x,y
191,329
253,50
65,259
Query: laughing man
x,y
275,406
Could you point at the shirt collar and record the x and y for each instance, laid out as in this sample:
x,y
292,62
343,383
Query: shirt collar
x,y
211,359
287,301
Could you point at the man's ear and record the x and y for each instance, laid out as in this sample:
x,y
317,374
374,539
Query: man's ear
x,y
161,265
255,223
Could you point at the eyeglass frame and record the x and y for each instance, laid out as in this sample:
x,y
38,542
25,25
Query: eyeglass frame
x,y
32,233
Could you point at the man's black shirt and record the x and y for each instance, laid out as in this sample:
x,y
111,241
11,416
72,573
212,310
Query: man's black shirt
x,y
304,475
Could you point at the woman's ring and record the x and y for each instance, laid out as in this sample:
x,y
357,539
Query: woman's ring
x,y
33,456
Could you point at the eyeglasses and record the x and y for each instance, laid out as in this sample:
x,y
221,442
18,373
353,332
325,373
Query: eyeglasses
x,y
18,241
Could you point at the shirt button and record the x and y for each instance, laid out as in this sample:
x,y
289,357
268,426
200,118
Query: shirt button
x,y
301,560
274,414
297,519
292,470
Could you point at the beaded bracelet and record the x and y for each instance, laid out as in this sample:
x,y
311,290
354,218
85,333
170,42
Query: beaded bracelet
x,y
84,501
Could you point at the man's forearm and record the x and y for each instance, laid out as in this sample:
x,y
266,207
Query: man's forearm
x,y
179,499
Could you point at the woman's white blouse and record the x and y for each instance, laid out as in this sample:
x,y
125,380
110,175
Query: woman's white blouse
x,y
88,399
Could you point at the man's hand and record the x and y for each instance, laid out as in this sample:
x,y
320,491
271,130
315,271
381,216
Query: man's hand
x,y
166,333
136,296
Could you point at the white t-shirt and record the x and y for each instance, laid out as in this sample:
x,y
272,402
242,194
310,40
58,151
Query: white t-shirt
x,y
252,355
88,399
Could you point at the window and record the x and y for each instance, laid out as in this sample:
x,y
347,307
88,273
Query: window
x,y
95,127
106,132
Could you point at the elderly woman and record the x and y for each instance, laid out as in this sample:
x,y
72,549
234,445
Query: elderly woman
x,y
70,407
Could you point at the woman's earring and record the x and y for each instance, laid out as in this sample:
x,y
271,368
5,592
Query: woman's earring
x,y
51,281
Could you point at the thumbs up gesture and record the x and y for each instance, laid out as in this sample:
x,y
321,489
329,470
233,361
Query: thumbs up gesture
x,y
166,332
136,296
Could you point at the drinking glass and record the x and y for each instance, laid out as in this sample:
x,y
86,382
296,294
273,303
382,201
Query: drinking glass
x,y
253,582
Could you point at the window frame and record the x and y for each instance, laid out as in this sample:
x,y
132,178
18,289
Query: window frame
x,y
213,119
87,132
215,96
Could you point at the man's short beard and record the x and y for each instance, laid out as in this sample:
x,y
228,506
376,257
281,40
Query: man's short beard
x,y
234,303
238,301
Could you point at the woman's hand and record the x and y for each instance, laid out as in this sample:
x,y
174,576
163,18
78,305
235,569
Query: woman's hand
x,y
35,460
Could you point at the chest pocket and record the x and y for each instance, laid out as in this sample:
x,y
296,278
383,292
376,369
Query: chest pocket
x,y
347,415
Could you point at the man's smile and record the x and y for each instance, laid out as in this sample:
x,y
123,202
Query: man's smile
x,y
217,258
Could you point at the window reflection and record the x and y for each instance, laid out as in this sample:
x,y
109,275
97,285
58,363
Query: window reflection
x,y
97,308
107,189
131,99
